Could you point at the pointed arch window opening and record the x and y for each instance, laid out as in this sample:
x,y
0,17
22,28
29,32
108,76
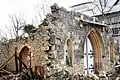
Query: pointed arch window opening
x,y
97,50
69,53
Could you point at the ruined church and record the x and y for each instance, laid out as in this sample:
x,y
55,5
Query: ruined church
x,y
65,40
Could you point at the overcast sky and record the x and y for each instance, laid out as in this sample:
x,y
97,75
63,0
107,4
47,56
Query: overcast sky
x,y
27,7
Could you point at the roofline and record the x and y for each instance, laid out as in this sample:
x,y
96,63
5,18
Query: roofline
x,y
95,23
107,13
80,4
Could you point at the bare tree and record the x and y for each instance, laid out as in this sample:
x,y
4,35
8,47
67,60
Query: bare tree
x,y
97,6
106,6
40,11
17,23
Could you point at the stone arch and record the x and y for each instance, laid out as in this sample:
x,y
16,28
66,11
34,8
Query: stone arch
x,y
96,42
69,53
25,57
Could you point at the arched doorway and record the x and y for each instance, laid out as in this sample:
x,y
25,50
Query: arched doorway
x,y
93,49
88,57
25,57
69,53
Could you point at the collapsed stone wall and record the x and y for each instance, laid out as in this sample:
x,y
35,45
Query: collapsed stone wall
x,y
38,44
67,26
3,52
47,43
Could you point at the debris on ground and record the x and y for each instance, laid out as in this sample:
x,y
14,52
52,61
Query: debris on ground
x,y
65,74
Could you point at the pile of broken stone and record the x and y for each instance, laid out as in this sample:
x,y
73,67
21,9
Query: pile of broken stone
x,y
68,74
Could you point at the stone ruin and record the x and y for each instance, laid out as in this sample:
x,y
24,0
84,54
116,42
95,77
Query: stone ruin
x,y
56,48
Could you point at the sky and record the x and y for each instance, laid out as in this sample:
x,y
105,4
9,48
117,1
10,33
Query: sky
x,y
27,7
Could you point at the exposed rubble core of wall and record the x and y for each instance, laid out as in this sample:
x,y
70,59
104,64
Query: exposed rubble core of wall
x,y
62,30
3,51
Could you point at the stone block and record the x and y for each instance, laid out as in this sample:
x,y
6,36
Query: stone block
x,y
52,39
52,30
53,47
46,37
50,56
60,55
45,48
52,52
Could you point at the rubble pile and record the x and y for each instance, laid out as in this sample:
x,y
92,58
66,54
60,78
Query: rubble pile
x,y
69,74
24,75
63,75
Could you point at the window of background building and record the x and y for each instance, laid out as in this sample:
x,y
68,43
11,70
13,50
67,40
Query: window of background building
x,y
119,19
116,19
115,30
112,20
108,20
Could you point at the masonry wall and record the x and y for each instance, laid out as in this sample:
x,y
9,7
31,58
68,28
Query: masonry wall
x,y
67,26
3,52
47,44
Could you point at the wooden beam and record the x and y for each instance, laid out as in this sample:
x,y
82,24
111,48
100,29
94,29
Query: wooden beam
x,y
3,70
22,63
16,62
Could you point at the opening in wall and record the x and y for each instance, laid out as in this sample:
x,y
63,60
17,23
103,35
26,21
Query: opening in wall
x,y
69,53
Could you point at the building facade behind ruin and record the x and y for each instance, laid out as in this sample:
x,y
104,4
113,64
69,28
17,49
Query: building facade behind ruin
x,y
59,43
113,20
